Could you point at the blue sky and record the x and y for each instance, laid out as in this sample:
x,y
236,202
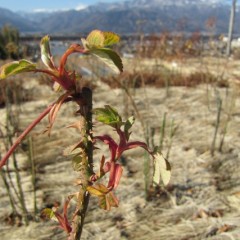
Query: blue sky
x,y
52,5
38,5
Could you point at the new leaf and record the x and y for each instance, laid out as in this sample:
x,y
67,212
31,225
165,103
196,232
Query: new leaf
x,y
99,39
95,39
95,44
162,169
108,115
127,126
106,198
109,57
46,55
110,38
16,67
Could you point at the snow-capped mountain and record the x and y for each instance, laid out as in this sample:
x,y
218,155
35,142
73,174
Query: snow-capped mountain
x,y
124,17
162,3
158,4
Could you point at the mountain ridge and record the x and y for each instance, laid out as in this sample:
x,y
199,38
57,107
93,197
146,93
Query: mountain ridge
x,y
148,16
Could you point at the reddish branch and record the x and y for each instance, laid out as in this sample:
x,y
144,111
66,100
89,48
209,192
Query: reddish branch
x,y
24,134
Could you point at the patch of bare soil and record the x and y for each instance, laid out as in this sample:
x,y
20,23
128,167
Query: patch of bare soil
x,y
203,198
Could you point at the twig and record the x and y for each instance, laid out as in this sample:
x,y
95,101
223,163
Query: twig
x,y
23,135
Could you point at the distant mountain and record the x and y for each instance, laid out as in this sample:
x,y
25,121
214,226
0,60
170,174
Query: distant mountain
x,y
11,18
35,17
144,15
149,16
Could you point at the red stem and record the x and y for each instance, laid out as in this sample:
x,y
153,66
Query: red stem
x,y
24,134
74,48
46,71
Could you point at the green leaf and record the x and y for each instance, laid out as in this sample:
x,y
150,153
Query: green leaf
x,y
95,43
95,39
108,115
110,38
94,191
127,126
98,190
156,150
49,213
46,55
113,201
162,170
16,67
106,199
109,57
77,162
99,39
103,202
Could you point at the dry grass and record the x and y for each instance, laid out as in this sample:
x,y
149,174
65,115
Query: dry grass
x,y
163,79
202,200
15,91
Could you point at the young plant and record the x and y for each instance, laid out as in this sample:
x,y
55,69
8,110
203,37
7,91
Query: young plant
x,y
89,181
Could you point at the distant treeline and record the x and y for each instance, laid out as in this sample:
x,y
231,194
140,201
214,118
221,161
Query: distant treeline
x,y
9,42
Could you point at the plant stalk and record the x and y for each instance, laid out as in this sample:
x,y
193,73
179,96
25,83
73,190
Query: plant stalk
x,y
87,163
11,199
33,173
14,124
162,131
219,109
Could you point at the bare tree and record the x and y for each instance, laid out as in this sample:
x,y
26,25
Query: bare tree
x,y
231,25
